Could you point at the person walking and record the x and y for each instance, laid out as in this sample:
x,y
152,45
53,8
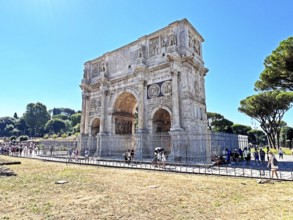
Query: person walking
x,y
246,155
280,151
87,155
164,160
273,163
262,154
132,154
256,157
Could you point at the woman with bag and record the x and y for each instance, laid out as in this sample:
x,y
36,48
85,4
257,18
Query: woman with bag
x,y
274,164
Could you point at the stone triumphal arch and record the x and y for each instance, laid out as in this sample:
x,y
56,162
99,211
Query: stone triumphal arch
x,y
146,94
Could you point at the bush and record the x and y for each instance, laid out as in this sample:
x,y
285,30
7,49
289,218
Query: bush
x,y
13,138
23,138
54,136
64,135
46,136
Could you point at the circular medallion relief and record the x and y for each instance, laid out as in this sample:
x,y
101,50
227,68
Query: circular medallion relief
x,y
153,91
166,88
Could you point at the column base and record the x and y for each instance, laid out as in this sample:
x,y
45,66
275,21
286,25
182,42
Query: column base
x,y
176,129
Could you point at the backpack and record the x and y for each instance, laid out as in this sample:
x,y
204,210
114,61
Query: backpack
x,y
275,162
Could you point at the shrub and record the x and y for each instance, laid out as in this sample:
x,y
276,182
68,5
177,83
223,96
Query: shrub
x,y
13,138
54,136
23,138
64,135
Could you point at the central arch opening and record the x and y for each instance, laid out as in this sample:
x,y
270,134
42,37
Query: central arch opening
x,y
125,114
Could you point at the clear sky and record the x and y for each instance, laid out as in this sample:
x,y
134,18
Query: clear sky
x,y
44,44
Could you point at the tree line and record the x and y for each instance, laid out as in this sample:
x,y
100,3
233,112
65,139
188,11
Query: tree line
x,y
38,122
218,123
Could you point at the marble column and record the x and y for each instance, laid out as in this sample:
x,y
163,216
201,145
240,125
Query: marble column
x,y
86,114
102,119
82,121
103,108
175,102
141,106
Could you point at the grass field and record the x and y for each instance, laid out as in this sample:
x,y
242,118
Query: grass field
x,y
108,193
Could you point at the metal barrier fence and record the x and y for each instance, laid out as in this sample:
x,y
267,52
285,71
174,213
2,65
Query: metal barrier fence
x,y
182,148
195,154
239,169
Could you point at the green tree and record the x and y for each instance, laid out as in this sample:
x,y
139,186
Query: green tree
x,y
68,126
21,126
76,128
7,124
276,74
36,116
60,116
75,118
241,129
15,115
55,125
268,108
64,111
9,128
286,136
218,122
257,137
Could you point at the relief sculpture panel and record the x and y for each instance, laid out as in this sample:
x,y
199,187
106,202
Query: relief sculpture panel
x,y
193,43
154,47
123,126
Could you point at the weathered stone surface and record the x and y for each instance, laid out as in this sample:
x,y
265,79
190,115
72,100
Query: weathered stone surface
x,y
154,84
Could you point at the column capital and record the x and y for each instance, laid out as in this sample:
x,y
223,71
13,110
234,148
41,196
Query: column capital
x,y
85,96
175,73
142,82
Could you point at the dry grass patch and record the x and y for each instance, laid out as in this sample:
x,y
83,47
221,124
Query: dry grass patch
x,y
108,193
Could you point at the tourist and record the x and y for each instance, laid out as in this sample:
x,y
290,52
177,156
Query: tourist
x,y
155,160
228,155
240,152
235,155
76,153
256,157
163,160
36,150
132,154
273,163
127,156
246,155
280,153
87,155
51,150
262,156
159,158
70,154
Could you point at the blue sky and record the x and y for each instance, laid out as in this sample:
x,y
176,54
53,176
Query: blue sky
x,y
44,43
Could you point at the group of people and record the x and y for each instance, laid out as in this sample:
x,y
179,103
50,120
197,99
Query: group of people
x,y
128,156
19,149
73,154
259,157
159,157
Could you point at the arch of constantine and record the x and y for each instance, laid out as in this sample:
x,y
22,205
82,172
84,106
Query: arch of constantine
x,y
149,93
